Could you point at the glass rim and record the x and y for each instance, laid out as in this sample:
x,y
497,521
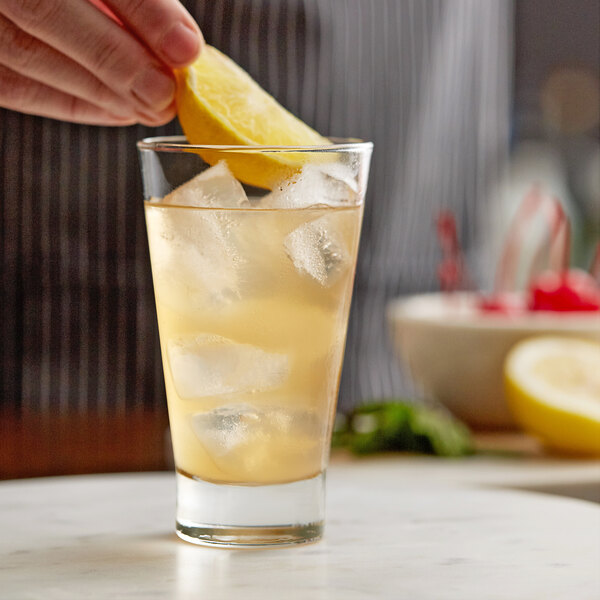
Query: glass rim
x,y
177,143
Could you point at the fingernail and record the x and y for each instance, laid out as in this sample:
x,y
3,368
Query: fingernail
x,y
164,116
127,111
181,44
122,121
154,88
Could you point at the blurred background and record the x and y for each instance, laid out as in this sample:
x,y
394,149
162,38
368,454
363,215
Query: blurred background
x,y
557,110
71,406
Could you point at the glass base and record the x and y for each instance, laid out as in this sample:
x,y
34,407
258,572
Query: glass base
x,y
238,515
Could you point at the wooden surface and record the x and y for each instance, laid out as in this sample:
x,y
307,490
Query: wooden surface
x,y
37,445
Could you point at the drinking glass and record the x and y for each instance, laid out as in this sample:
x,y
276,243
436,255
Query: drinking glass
x,y
253,253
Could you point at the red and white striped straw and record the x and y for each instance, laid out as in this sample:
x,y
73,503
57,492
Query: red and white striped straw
x,y
558,239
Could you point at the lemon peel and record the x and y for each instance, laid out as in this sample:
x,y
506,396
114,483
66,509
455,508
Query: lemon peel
x,y
553,389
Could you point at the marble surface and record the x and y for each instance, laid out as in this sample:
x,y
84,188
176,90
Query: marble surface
x,y
518,470
110,536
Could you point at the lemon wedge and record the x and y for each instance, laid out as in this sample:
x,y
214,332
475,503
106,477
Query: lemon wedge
x,y
218,103
553,389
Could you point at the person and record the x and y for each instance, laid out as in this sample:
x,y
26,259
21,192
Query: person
x,y
74,62
427,81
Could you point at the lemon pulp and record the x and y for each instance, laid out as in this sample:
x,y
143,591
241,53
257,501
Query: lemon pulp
x,y
218,103
553,389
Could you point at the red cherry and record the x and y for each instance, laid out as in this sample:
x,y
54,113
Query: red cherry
x,y
504,304
573,290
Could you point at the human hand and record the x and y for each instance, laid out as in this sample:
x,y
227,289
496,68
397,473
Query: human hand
x,y
69,60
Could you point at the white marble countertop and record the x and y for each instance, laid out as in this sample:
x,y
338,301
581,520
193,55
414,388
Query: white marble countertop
x,y
517,470
387,536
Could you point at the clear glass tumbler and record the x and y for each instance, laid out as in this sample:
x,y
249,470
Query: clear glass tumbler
x,y
253,261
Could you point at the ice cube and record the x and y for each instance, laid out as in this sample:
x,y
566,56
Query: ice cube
x,y
195,256
318,250
214,188
330,184
223,429
339,176
195,260
211,365
250,442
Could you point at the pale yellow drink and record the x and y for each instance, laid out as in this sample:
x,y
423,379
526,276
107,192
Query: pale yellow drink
x,y
253,222
252,309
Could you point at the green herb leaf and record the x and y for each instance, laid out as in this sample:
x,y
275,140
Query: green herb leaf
x,y
404,426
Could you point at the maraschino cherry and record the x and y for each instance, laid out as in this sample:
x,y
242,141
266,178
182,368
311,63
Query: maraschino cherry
x,y
568,291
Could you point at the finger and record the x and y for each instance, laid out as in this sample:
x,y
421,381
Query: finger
x,y
164,26
20,93
160,118
101,6
26,55
93,40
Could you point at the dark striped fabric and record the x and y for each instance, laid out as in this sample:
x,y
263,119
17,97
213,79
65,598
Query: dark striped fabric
x,y
428,81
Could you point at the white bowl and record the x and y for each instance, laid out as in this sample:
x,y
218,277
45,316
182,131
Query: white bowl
x,y
455,353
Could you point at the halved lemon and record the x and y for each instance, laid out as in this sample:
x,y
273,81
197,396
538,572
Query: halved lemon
x,y
218,103
553,389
